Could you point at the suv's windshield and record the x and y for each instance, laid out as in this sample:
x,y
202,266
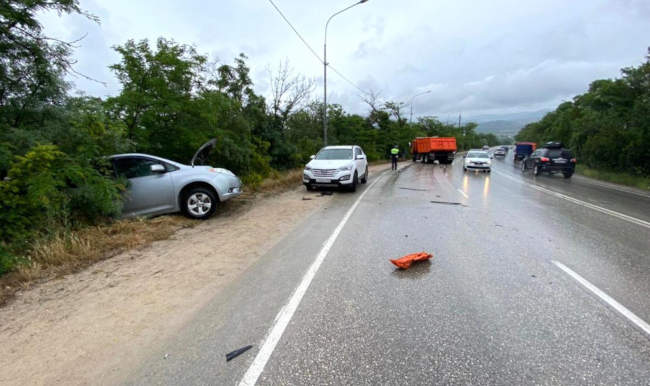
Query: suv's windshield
x,y
331,154
477,155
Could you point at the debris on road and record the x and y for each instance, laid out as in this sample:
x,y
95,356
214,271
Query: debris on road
x,y
238,352
447,203
416,189
405,262
306,198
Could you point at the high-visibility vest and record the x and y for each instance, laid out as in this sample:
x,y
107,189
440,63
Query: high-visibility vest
x,y
394,151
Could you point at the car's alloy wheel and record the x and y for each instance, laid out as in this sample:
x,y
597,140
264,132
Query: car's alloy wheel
x,y
199,203
365,176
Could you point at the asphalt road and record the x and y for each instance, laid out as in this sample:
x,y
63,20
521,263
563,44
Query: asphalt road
x,y
491,307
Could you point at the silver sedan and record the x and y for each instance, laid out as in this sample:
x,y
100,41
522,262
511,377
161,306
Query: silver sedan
x,y
157,186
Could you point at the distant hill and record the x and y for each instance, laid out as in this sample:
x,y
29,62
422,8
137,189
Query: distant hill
x,y
506,124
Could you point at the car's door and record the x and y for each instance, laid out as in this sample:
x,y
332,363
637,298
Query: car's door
x,y
148,192
364,163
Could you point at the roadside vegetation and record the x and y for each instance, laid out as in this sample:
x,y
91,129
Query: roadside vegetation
x,y
56,190
608,128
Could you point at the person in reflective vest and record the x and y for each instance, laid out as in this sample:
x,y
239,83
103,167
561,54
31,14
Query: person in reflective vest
x,y
394,155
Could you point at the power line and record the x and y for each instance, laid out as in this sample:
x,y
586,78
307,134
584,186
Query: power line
x,y
314,52
296,31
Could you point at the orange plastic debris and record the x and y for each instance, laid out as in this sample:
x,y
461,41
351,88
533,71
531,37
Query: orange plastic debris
x,y
405,262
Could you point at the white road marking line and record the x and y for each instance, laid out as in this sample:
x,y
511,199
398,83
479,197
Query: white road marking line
x,y
286,312
463,193
606,298
621,216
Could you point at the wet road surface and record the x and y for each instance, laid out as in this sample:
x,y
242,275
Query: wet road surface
x,y
491,307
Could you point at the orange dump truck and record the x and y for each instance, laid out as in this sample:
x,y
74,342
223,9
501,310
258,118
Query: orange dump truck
x,y
429,149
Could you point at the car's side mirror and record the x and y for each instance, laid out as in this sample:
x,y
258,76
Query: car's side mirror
x,y
361,156
312,156
464,156
157,168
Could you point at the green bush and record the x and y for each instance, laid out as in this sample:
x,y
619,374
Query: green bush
x,y
46,189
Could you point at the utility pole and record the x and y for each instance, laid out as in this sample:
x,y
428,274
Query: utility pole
x,y
459,120
325,69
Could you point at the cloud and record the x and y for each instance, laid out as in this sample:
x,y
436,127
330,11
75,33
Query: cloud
x,y
502,55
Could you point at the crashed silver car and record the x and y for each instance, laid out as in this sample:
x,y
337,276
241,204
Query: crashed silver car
x,y
158,185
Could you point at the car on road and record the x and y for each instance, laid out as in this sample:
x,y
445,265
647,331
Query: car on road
x,y
501,151
486,147
336,166
157,185
550,158
477,160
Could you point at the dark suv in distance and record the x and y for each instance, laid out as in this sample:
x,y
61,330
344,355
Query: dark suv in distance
x,y
550,158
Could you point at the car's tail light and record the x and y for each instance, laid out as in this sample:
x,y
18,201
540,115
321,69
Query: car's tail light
x,y
544,159
574,160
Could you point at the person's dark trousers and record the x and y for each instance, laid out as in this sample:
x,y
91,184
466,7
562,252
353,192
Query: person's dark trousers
x,y
394,163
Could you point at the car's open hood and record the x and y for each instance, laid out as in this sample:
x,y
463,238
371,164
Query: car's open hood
x,y
201,155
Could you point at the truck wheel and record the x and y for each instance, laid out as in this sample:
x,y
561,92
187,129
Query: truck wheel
x,y
523,167
415,158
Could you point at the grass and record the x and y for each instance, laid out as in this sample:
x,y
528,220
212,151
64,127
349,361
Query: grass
x,y
641,182
67,252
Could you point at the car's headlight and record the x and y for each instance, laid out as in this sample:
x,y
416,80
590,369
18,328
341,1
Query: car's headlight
x,y
307,167
346,167
222,170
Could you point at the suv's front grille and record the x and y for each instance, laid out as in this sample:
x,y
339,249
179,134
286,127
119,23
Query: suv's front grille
x,y
323,172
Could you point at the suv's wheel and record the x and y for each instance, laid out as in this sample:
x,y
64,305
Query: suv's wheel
x,y
355,181
199,203
537,171
309,187
567,174
364,179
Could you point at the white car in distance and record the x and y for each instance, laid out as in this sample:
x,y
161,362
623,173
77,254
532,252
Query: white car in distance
x,y
336,166
477,160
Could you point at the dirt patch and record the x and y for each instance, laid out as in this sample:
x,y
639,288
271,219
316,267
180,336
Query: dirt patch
x,y
91,326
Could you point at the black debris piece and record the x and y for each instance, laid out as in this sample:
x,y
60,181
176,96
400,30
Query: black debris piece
x,y
416,189
238,352
446,203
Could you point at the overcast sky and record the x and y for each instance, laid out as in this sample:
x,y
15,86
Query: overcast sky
x,y
475,56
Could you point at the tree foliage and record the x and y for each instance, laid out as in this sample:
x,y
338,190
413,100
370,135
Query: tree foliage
x,y
608,126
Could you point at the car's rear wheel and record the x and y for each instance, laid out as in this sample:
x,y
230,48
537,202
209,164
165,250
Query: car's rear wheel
x,y
536,170
364,179
567,174
199,203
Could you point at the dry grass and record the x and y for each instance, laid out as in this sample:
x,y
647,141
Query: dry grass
x,y
72,251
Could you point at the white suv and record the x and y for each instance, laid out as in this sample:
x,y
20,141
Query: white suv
x,y
336,166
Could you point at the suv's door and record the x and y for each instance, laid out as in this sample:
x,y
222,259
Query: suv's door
x,y
148,192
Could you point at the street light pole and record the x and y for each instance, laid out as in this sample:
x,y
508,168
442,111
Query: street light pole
x,y
325,69
413,98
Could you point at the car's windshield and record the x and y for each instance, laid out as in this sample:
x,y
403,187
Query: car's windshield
x,y
332,154
477,155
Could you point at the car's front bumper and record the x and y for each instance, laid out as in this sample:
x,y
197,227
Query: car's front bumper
x,y
339,178
477,167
